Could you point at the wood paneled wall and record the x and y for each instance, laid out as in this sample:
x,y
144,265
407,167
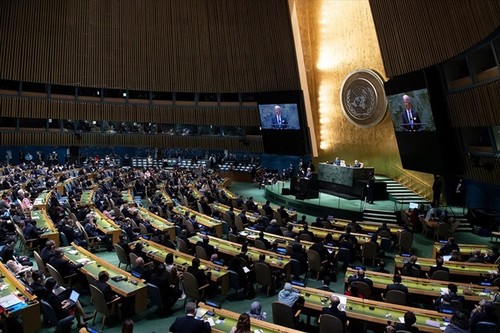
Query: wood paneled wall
x,y
42,108
174,45
475,107
253,144
414,34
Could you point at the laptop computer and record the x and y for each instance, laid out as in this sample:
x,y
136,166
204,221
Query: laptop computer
x,y
73,297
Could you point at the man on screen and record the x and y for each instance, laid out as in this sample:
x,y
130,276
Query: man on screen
x,y
278,121
411,120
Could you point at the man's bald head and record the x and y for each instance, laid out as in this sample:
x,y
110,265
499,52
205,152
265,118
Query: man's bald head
x,y
335,301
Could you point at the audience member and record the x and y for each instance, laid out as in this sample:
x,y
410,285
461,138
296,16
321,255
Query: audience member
x,y
188,323
459,323
334,310
256,311
410,320
243,324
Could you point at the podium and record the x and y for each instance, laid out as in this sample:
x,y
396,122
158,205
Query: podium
x,y
305,188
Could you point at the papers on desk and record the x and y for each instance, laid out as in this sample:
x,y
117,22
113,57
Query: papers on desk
x,y
9,301
343,302
492,272
246,269
444,291
402,320
432,323
73,252
210,321
83,261
200,312
446,258
243,233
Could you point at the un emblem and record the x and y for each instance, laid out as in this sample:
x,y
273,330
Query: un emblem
x,y
363,98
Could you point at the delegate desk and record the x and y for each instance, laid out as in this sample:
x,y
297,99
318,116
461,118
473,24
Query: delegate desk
x,y
458,270
282,241
465,249
157,252
87,198
107,226
43,221
233,249
321,233
202,219
234,197
371,227
42,200
369,311
348,180
28,309
431,289
93,265
157,222
251,217
231,318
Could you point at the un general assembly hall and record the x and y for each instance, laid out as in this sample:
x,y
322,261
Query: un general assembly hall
x,y
249,166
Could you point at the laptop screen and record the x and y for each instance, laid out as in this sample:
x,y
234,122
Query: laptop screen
x,y
74,296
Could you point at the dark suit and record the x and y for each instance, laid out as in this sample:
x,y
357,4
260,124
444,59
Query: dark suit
x,y
397,286
333,311
189,324
199,275
106,290
407,122
437,268
279,125
63,266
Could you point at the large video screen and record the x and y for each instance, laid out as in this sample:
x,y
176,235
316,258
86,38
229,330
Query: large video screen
x,y
283,123
279,116
411,111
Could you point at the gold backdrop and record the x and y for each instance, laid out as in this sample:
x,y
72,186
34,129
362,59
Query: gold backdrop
x,y
338,37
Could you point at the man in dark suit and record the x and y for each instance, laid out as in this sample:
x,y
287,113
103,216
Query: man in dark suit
x,y
197,272
410,119
449,247
204,243
439,267
396,285
169,292
189,324
333,310
360,276
63,266
278,121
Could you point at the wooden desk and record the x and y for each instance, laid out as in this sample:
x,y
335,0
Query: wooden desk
x,y
282,241
158,222
125,288
42,200
232,249
231,318
44,221
202,219
87,198
251,217
157,252
30,314
424,287
465,249
367,226
321,233
458,269
107,226
370,311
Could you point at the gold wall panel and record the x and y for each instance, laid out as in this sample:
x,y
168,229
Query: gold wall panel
x,y
339,37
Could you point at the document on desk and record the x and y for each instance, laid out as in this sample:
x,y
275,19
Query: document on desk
x,y
9,300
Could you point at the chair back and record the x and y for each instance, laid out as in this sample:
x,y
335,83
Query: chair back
x,y
234,280
395,297
200,209
442,231
49,315
329,323
154,295
405,240
55,274
344,255
277,217
227,218
486,327
453,227
314,260
296,268
264,276
239,223
133,257
63,239
283,315
385,244
191,287
201,253
99,301
182,246
143,229
440,275
305,237
363,288
384,233
40,263
369,251
232,238
122,256
260,244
